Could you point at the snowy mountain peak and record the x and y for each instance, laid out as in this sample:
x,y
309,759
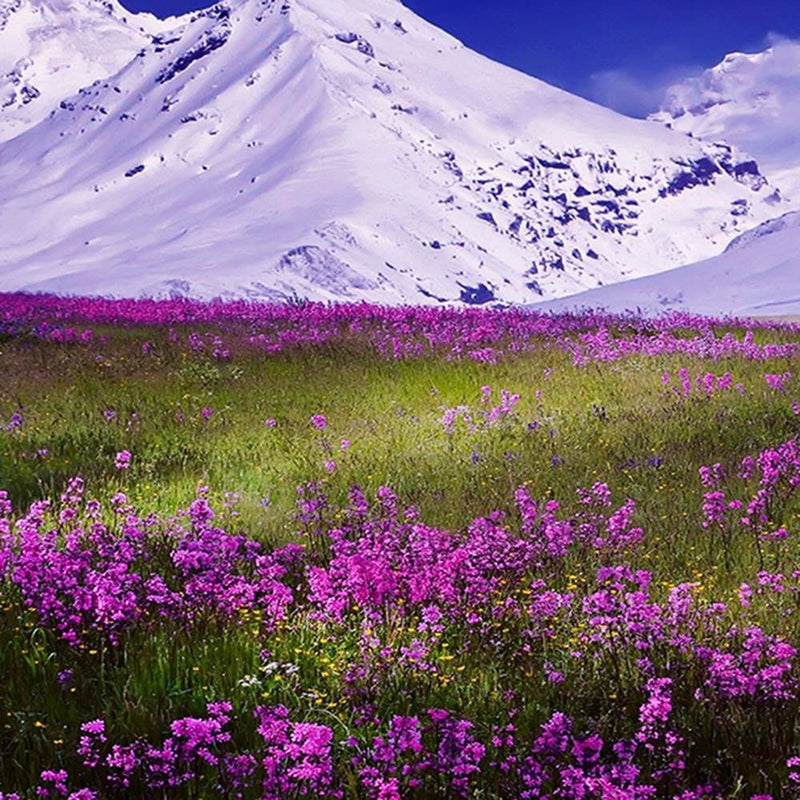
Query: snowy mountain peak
x,y
279,148
52,48
751,101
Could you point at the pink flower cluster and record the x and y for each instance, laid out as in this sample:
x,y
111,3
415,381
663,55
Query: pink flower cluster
x,y
480,334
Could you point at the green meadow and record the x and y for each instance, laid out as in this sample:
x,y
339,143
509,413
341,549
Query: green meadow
x,y
239,432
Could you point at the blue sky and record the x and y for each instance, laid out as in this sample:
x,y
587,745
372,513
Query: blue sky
x,y
622,53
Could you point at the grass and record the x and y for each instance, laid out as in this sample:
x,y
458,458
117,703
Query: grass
x,y
190,420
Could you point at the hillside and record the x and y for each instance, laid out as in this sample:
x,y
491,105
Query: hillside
x,y
349,152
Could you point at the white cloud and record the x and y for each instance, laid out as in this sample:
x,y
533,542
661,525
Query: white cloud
x,y
634,92
774,71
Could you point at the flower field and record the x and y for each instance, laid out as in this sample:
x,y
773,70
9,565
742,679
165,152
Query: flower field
x,y
363,552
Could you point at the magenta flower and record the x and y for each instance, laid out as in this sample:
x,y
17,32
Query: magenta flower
x,y
123,460
65,677
319,422
775,536
778,382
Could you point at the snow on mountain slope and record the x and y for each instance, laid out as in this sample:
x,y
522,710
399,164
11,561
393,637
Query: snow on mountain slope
x,y
758,275
50,49
789,220
751,101
279,148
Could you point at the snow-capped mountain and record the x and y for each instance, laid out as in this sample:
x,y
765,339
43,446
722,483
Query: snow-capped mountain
x,y
757,275
49,49
330,150
751,101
